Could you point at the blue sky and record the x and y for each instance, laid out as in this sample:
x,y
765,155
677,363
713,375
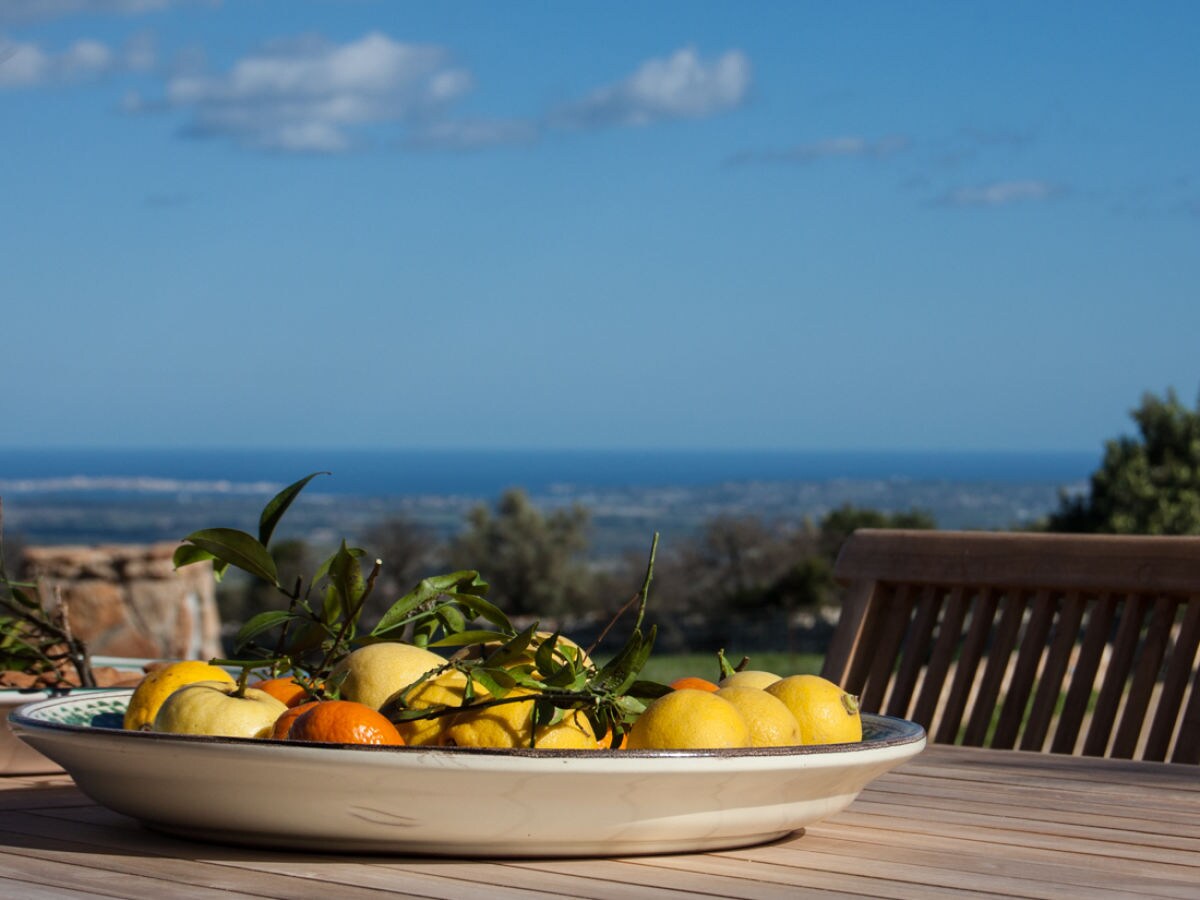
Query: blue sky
x,y
714,225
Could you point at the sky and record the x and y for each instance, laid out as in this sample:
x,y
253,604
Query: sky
x,y
361,223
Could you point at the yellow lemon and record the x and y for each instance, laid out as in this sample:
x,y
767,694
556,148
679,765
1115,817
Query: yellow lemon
x,y
510,724
377,671
749,679
771,722
446,689
210,707
152,690
689,720
825,712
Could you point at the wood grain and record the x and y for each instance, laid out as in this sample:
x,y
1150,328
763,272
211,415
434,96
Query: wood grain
x,y
953,822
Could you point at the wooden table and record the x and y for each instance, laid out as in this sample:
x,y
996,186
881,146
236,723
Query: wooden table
x,y
954,822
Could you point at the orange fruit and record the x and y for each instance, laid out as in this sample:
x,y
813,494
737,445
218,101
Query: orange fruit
x,y
605,743
286,690
343,722
693,683
283,724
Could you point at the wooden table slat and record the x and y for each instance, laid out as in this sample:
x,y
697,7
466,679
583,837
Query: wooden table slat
x,y
954,822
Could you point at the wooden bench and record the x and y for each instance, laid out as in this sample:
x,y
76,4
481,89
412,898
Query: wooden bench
x,y
1066,643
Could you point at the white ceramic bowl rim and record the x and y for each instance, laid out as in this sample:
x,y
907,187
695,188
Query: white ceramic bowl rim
x,y
878,732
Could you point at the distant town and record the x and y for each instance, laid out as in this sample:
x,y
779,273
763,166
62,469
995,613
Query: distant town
x,y
620,518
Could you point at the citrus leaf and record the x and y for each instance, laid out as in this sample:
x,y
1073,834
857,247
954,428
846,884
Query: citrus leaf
x,y
466,581
278,505
345,589
466,638
544,658
186,554
323,569
452,620
264,621
513,649
237,549
497,682
565,677
24,598
648,690
482,608
397,614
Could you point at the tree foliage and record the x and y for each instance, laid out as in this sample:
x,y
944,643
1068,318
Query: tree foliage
x,y
1146,484
408,551
840,523
534,561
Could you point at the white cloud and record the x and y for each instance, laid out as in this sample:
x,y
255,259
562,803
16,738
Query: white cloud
x,y
28,65
311,95
681,86
827,148
1002,193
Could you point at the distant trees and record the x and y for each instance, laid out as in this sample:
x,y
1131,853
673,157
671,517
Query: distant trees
x,y
840,523
739,572
408,551
1146,484
737,580
534,561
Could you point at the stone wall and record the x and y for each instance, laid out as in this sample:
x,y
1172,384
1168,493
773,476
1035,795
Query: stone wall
x,y
129,600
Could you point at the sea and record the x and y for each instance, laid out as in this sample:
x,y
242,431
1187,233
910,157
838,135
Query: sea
x,y
82,495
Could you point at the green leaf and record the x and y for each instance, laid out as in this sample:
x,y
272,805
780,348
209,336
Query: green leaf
x,y
566,677
466,581
496,682
307,638
264,621
323,569
630,706
623,669
452,620
462,587
237,549
466,638
648,690
278,505
186,554
544,658
545,713
24,598
346,586
483,609
398,612
617,669
513,649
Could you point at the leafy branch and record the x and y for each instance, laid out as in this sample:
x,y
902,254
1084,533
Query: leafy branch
x,y
33,639
321,625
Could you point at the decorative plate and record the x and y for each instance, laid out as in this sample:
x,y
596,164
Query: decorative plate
x,y
455,801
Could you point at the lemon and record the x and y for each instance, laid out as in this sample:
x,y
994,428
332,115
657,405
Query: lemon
x,y
509,724
210,707
771,722
377,671
749,679
152,690
446,689
689,720
825,712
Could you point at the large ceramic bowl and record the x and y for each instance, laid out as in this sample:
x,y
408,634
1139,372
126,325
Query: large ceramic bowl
x,y
455,801
17,757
